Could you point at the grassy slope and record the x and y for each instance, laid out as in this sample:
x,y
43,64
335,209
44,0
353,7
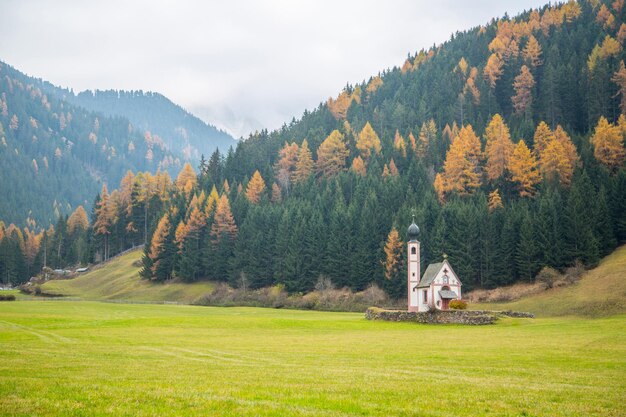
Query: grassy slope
x,y
119,280
91,359
601,292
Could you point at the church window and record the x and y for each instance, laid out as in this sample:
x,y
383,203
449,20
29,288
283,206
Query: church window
x,y
425,296
413,250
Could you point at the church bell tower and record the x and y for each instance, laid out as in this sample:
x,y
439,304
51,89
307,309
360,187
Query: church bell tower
x,y
413,247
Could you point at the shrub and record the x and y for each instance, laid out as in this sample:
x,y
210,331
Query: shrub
x,y
7,297
458,305
548,276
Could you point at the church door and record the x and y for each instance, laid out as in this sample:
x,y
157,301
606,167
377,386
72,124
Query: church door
x,y
444,304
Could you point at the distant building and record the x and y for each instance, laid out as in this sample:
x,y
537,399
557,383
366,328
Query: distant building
x,y
437,286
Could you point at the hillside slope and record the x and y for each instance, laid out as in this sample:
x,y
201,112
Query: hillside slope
x,y
600,292
119,280
182,132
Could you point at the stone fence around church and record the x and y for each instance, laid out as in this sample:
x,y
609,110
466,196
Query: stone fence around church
x,y
469,317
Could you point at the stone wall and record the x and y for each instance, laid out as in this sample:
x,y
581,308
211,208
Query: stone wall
x,y
469,317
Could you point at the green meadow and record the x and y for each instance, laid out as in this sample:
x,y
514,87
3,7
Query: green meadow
x,y
85,358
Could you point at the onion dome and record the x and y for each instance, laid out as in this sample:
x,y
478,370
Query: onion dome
x,y
413,231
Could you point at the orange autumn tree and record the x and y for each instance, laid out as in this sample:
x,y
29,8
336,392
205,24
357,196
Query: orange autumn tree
x,y
523,84
461,169
523,168
368,141
224,222
532,52
277,194
399,143
159,240
304,164
105,218
185,177
286,165
255,188
495,201
498,148
78,220
393,254
332,154
608,143
358,166
556,154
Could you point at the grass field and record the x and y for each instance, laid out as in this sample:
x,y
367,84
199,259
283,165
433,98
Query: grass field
x,y
120,280
600,292
89,359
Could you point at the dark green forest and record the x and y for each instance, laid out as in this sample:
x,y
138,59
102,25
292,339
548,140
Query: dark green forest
x,y
377,151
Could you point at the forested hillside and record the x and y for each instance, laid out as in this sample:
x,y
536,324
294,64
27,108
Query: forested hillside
x,y
506,143
182,132
58,148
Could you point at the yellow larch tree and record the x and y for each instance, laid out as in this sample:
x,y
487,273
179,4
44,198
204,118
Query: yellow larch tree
x,y
304,164
532,52
368,141
399,143
523,168
185,177
495,201
461,169
608,143
393,169
224,222
78,220
523,85
358,166
159,239
286,165
543,136
332,154
255,188
561,136
277,195
498,148
493,70
393,254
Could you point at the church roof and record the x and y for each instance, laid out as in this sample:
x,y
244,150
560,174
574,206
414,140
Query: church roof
x,y
430,274
447,294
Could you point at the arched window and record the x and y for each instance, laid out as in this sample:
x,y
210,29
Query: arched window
x,y
413,250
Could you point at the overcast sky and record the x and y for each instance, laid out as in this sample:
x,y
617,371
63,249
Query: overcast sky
x,y
241,65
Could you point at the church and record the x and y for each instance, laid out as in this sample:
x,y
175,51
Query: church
x,y
437,286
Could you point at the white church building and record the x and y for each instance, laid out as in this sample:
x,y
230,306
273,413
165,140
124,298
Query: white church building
x,y
437,286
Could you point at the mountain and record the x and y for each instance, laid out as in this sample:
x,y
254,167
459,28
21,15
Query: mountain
x,y
506,144
58,148
182,132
